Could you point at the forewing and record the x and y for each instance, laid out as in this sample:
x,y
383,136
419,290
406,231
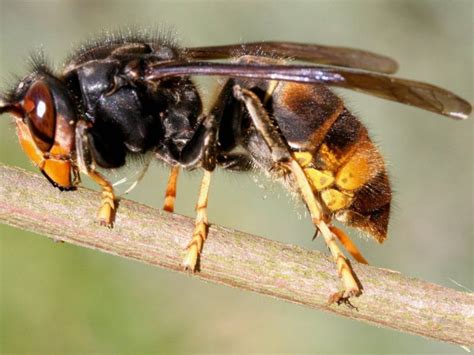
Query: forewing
x,y
340,56
409,92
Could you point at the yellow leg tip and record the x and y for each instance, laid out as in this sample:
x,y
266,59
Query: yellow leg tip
x,y
106,215
190,260
168,208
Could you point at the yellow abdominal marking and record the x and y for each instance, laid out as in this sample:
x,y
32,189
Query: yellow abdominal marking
x,y
322,180
303,158
356,173
335,200
319,179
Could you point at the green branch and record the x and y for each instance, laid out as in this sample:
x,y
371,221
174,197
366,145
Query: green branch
x,y
236,259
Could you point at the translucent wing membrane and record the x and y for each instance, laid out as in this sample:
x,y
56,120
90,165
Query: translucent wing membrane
x,y
414,93
340,56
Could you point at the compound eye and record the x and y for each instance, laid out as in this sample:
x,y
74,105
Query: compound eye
x,y
40,115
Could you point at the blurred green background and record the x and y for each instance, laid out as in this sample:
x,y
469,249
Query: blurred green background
x,y
57,298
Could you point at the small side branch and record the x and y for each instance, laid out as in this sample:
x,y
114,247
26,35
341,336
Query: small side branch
x,y
236,259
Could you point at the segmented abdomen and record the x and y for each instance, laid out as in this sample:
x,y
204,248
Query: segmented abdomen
x,y
341,162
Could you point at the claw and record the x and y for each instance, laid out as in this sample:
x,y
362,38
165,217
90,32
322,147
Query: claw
x,y
343,297
191,257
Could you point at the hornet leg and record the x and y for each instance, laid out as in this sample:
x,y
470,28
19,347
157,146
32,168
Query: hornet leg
x,y
304,160
283,158
106,212
194,248
170,195
200,151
